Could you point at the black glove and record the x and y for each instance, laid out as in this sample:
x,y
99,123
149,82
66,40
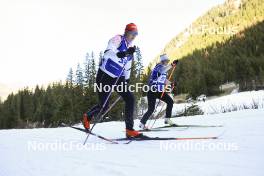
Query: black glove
x,y
131,50
175,62
173,84
121,54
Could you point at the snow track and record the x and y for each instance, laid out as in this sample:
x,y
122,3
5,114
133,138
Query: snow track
x,y
244,132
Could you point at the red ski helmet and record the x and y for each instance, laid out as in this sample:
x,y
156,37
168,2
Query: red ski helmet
x,y
131,27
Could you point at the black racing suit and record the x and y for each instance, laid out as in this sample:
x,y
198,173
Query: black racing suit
x,y
159,72
128,97
152,96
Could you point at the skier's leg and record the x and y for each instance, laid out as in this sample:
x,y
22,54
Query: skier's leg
x,y
96,109
103,79
129,99
93,111
169,101
151,107
88,116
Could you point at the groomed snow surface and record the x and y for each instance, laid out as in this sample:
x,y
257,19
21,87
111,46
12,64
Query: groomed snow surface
x,y
232,102
59,151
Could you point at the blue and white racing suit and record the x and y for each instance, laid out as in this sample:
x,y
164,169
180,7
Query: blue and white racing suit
x,y
111,64
158,77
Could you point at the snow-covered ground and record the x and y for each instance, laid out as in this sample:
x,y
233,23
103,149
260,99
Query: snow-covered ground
x,y
232,102
59,151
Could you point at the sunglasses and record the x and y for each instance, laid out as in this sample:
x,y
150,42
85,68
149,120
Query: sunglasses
x,y
165,62
134,33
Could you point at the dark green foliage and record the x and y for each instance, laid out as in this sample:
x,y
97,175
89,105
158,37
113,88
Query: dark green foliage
x,y
232,52
239,59
191,111
207,61
62,102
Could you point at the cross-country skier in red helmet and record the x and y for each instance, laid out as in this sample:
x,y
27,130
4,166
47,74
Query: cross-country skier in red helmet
x,y
118,54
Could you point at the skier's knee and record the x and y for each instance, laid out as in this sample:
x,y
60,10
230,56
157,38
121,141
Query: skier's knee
x,y
130,99
170,102
151,110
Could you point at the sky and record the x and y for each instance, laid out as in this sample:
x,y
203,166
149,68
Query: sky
x,y
41,39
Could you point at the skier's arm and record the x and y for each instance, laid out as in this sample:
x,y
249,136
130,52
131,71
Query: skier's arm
x,y
165,69
113,44
167,82
127,70
129,51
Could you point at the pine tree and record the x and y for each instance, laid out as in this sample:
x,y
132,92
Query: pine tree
x,y
87,70
101,57
38,100
139,64
79,76
69,79
146,75
93,70
11,115
48,107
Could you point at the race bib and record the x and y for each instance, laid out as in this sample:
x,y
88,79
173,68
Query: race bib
x,y
113,67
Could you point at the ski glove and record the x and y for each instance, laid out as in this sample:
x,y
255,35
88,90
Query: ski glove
x,y
131,50
175,62
173,84
121,54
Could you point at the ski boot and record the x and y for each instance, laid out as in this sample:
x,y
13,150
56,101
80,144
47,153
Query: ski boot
x,y
86,122
133,134
143,127
169,122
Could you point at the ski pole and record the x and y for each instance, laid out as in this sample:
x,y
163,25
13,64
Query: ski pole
x,y
157,116
99,115
168,79
111,106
